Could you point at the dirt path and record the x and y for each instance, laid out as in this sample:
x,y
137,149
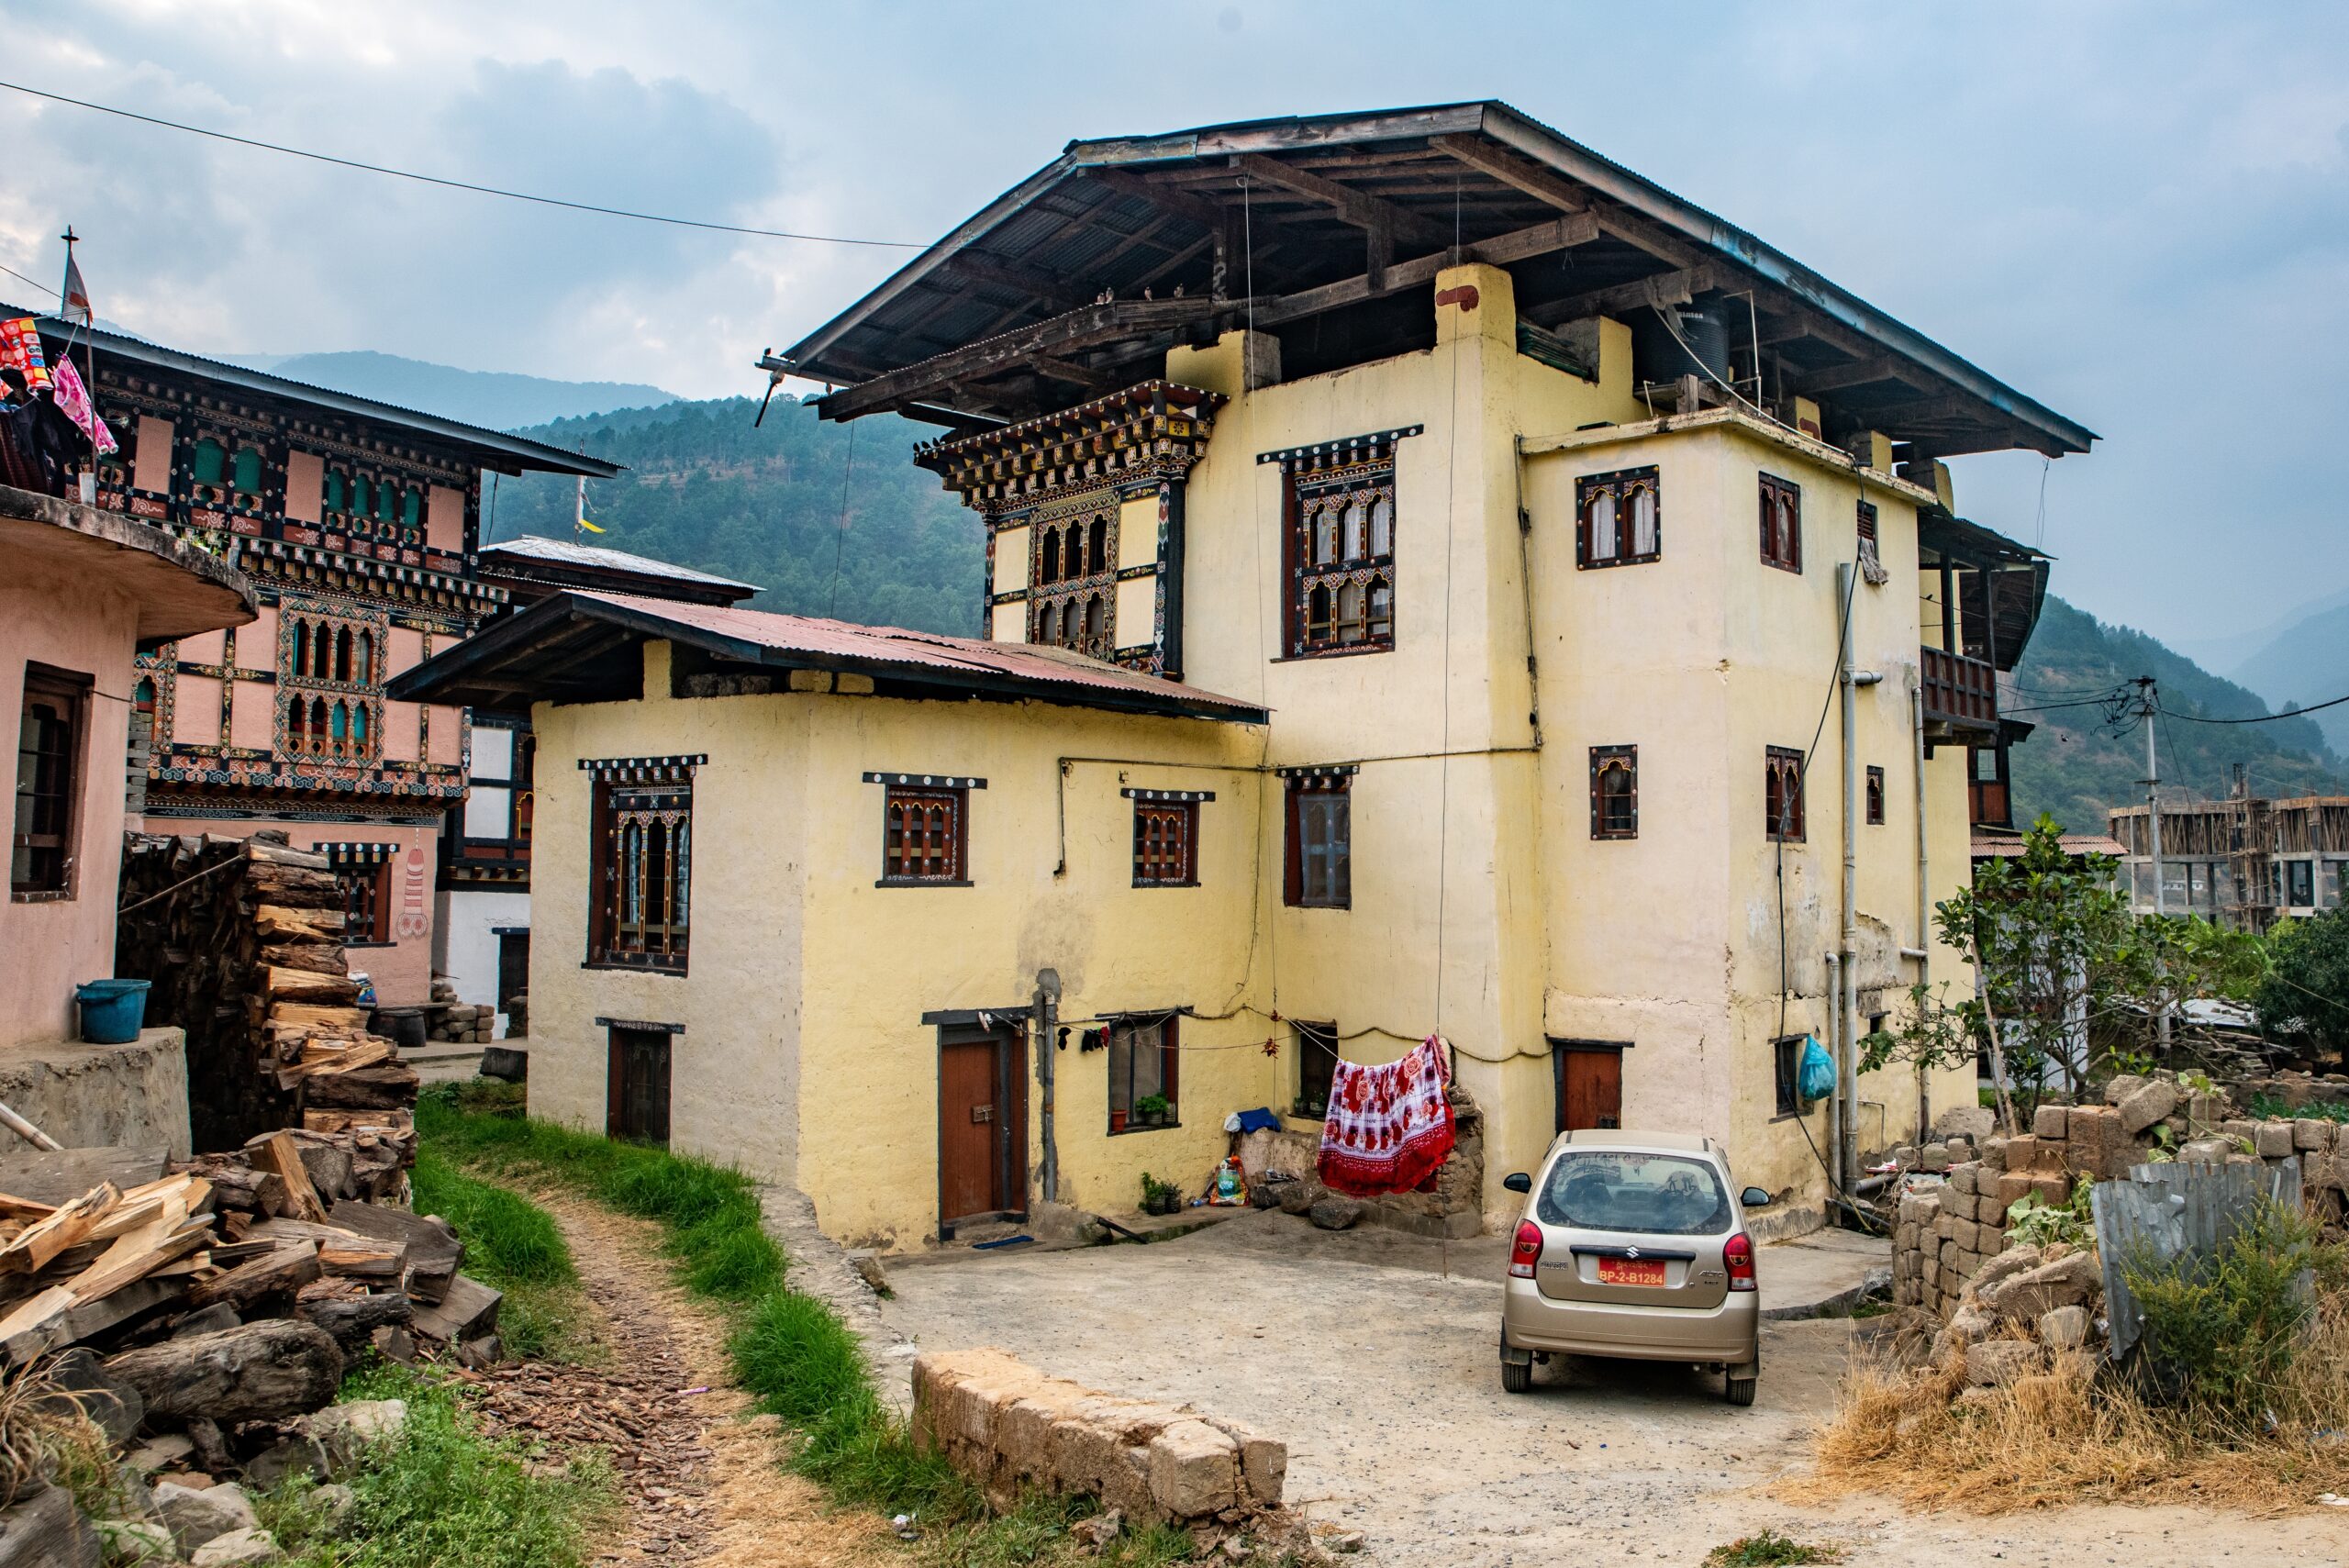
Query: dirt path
x,y
703,1481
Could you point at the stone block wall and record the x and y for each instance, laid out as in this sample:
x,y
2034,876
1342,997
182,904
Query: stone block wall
x,y
84,1095
1009,1428
1945,1234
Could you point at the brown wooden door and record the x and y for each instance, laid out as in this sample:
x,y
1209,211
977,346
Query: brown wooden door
x,y
1590,1089
982,1124
636,1102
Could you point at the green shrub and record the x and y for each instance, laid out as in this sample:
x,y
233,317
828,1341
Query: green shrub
x,y
2222,1329
2033,1221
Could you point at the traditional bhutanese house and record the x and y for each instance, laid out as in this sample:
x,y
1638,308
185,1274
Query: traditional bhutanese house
x,y
1574,562
483,921
357,522
84,592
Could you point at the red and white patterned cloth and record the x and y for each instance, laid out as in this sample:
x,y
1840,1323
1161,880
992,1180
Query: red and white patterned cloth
x,y
1389,1127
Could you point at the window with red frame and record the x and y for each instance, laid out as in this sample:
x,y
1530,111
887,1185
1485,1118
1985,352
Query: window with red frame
x,y
1614,791
1166,843
1782,794
1781,523
923,834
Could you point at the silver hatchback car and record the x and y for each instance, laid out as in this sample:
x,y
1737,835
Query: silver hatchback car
x,y
1633,1244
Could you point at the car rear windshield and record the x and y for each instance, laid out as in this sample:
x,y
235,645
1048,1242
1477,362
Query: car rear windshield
x,y
1667,1194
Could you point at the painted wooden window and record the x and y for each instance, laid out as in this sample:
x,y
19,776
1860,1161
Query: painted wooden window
x,y
1145,1066
643,875
1073,570
1316,1059
1614,791
923,835
49,725
1781,523
366,902
1876,797
1338,558
1785,1068
1166,843
1320,841
1782,794
245,474
210,460
328,687
336,495
1618,518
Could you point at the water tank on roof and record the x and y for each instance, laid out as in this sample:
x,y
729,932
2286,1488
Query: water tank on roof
x,y
1657,355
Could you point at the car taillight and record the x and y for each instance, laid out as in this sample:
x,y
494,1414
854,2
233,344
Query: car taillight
x,y
1527,1250
1738,1255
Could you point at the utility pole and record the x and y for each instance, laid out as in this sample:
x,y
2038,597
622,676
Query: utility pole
x,y
2148,703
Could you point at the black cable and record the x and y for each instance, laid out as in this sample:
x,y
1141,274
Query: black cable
x,y
2263,718
455,184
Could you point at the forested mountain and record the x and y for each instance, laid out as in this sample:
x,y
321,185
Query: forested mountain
x,y
705,489
2308,663
2078,764
828,519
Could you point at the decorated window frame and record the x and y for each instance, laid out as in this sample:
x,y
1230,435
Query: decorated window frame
x,y
925,829
1618,518
1318,872
1614,791
641,880
1782,794
1781,520
1073,579
1166,837
1338,558
330,672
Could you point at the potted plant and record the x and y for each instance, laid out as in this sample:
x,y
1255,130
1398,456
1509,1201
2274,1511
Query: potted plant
x,y
1153,1110
1117,1121
1159,1197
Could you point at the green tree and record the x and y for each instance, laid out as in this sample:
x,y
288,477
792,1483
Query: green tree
x,y
2305,997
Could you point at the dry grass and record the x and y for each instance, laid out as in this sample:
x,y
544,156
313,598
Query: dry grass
x,y
2066,1437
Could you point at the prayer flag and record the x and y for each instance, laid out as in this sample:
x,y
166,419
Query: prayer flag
x,y
73,299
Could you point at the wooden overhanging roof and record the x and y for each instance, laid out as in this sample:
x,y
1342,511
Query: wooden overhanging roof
x,y
578,646
2013,572
531,567
1067,284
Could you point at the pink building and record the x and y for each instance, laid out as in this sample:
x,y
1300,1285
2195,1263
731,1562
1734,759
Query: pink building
x,y
84,593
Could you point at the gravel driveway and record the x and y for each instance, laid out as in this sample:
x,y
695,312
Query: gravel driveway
x,y
1380,1374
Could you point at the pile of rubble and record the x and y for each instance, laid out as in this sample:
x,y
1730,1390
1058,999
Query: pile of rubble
x,y
460,1023
2028,1311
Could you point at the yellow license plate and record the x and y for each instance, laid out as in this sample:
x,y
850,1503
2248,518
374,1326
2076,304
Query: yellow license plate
x,y
1630,1271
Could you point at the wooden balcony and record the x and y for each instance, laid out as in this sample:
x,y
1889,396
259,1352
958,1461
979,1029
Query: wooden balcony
x,y
1960,696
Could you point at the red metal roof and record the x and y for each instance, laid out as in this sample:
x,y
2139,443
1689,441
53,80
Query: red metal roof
x,y
915,651
2000,846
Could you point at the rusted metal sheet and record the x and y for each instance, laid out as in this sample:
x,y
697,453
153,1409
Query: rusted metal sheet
x,y
2174,1210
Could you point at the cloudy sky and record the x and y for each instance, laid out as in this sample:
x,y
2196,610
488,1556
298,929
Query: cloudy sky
x,y
2136,213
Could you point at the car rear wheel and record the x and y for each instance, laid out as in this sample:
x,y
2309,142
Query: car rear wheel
x,y
1516,1377
1740,1390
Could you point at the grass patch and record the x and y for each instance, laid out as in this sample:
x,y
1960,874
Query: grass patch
x,y
511,1245
1035,1530
1769,1550
443,1496
790,1352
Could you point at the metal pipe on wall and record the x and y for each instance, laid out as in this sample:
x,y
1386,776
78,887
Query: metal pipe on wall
x,y
1836,1114
1847,1001
1924,948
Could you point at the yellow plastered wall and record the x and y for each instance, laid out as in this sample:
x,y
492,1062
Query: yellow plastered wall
x,y
803,1053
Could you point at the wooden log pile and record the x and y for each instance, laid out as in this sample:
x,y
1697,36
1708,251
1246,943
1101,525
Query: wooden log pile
x,y
242,942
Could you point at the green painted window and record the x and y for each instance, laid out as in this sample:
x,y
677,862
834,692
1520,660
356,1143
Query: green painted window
x,y
248,471
334,489
361,494
211,458
386,498
412,508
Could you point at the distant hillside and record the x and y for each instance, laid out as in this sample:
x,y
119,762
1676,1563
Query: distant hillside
x,y
2076,768
705,490
2306,663
497,399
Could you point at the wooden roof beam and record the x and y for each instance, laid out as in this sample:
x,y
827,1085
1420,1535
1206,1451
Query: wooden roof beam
x,y
1361,210
1125,182
1007,274
1658,290
1090,327
1858,372
1542,239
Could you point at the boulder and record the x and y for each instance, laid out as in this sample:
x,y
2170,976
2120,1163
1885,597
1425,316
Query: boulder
x,y
2068,1280
1334,1212
196,1517
236,1548
300,1454
127,1543
2121,1085
1994,1364
2005,1267
345,1430
2065,1329
258,1372
2148,1102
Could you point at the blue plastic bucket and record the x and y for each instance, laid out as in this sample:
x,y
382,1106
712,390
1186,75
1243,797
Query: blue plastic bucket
x,y
112,1010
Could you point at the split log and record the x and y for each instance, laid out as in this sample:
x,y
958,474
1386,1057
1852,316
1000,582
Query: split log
x,y
388,1085
319,958
467,1312
257,1372
353,1320
319,1120
303,987
329,1170
276,923
41,1243
352,1019
75,1324
434,1252
342,1252
281,1271
282,1157
267,848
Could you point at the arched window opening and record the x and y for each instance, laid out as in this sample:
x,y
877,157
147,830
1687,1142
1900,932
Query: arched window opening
x,y
1317,615
1073,551
1382,610
362,495
297,726
363,660
1325,536
1604,545
412,508
342,653
336,492
1047,624
1048,567
211,458
247,472
1096,620
1352,622
1357,529
301,650
359,730
1098,554
339,728
142,697
1382,527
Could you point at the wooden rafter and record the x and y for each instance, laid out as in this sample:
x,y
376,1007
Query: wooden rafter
x,y
1858,372
1364,211
1007,274
1660,289
1558,234
1125,182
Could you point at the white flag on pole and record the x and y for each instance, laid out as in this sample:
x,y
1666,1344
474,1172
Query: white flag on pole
x,y
73,299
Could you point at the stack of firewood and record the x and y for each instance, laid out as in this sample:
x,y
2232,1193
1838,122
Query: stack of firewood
x,y
243,940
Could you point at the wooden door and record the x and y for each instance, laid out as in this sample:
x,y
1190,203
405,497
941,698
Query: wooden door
x,y
636,1102
1590,1089
513,974
982,1125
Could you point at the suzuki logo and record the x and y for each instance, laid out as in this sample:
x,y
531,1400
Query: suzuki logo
x,y
1630,1252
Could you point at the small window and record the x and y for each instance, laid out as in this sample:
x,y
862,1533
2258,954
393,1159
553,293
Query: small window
x,y
2300,883
1781,523
246,474
1145,1072
1614,791
49,774
1782,794
366,904
1165,836
1339,556
1320,841
362,495
210,462
1316,1059
1786,1061
1618,518
335,497
922,835
642,875
1876,797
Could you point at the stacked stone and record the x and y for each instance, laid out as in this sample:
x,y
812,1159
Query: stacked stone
x,y
460,1023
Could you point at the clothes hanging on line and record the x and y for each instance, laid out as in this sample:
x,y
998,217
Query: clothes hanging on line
x,y
21,350
73,402
1389,1127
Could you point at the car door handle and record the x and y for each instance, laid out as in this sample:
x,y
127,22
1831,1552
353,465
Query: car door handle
x,y
982,1113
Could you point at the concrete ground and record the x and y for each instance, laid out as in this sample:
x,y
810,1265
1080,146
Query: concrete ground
x,y
1371,1355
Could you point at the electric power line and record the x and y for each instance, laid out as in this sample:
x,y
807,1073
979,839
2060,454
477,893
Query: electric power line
x,y
2261,718
454,185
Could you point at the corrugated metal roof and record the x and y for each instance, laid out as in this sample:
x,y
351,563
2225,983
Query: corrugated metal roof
x,y
897,648
564,552
523,455
1998,846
